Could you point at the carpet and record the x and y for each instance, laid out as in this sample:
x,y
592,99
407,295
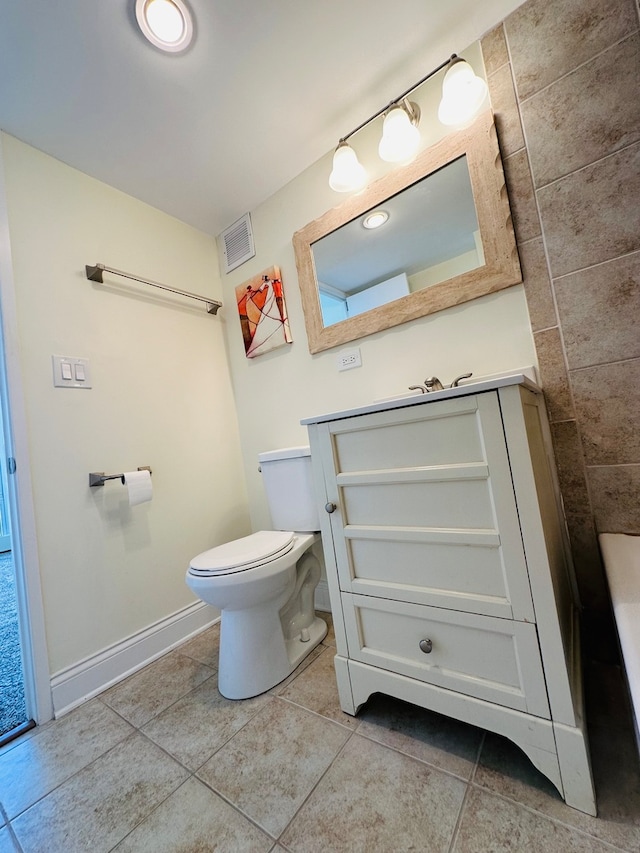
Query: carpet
x,y
13,711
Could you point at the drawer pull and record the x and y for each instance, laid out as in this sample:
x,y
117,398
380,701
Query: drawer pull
x,y
330,507
426,646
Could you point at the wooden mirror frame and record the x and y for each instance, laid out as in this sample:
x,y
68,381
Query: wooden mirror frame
x,y
501,268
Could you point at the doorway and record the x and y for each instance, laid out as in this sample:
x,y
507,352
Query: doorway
x,y
13,709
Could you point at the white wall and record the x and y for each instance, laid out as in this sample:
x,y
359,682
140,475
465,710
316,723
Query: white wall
x,y
275,391
161,396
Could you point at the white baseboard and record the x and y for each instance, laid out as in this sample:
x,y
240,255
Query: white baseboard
x,y
85,679
321,597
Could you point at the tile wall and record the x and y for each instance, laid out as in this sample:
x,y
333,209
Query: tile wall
x,y
564,84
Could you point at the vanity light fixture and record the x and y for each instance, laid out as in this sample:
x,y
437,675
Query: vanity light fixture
x,y
167,24
375,219
463,93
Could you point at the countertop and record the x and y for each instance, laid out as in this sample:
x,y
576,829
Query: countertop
x,y
477,387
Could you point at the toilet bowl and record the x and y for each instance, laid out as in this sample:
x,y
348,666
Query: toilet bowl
x,y
264,585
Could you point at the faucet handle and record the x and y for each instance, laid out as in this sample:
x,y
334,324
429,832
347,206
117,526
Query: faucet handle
x,y
459,379
433,384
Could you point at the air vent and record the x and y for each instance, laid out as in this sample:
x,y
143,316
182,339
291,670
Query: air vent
x,y
238,243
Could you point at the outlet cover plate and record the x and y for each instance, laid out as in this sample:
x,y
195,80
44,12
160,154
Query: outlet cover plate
x,y
349,358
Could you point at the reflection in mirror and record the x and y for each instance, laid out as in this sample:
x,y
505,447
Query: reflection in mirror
x,y
450,239
429,233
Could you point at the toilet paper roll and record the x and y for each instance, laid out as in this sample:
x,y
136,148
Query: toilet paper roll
x,y
138,485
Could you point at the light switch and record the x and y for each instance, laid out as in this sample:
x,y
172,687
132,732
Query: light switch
x,y
71,372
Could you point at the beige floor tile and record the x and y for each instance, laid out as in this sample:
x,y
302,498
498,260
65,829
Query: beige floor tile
x,y
37,765
195,820
6,842
204,647
442,741
149,692
491,823
102,803
375,799
196,726
316,690
269,768
505,770
313,654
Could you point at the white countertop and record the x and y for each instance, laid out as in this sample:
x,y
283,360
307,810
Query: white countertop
x,y
486,384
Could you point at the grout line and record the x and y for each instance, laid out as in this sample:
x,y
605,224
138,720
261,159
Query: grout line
x,y
596,265
456,829
553,820
566,74
589,165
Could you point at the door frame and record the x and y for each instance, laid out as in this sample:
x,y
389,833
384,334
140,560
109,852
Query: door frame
x,y
33,642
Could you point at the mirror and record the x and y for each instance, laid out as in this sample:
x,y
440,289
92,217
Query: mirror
x,y
448,239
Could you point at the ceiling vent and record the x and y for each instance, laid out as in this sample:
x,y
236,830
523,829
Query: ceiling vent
x,y
238,243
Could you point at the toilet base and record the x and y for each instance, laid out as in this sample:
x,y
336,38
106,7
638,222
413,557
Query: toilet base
x,y
247,668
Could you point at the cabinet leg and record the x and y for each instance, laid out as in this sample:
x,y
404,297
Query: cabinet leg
x,y
344,685
575,768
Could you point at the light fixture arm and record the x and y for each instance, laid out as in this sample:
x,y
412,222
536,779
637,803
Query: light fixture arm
x,y
452,59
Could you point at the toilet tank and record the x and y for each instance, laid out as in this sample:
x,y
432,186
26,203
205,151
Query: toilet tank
x,y
288,482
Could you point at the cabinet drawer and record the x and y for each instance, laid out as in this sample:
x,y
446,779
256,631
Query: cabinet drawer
x,y
493,659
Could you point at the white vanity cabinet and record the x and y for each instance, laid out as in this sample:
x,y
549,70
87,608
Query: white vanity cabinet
x,y
449,574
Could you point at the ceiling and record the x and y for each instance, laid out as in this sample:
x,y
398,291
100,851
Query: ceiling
x,y
265,90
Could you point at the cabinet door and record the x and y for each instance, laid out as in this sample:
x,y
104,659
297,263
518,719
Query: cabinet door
x,y
497,660
425,507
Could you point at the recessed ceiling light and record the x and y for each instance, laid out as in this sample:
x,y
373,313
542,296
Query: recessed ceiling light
x,y
375,219
166,23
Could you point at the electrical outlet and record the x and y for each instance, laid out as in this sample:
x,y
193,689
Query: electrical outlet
x,y
349,358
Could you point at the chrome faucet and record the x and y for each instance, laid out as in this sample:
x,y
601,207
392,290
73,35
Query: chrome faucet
x,y
434,384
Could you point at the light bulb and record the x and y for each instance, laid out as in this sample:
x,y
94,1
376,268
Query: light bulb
x,y
348,174
400,136
375,219
463,93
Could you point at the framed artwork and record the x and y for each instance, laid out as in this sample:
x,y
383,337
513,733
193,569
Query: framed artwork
x,y
263,313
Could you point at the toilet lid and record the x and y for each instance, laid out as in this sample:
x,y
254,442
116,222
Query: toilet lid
x,y
242,554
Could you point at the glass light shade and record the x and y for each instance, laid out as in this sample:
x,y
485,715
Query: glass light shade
x,y
348,174
166,23
463,93
400,136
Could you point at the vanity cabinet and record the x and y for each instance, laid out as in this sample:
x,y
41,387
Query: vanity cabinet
x,y
448,568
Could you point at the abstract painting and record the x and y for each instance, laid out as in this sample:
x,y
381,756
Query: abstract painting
x,y
263,313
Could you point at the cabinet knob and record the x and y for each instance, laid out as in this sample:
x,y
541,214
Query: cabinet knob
x,y
330,507
426,646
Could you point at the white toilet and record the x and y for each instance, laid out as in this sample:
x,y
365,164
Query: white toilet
x,y
264,584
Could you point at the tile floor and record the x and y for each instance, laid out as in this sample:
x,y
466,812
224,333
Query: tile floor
x,y
161,762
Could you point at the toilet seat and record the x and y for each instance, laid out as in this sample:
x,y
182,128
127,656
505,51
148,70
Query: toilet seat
x,y
242,554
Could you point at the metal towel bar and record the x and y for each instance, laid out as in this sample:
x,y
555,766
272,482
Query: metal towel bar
x,y
94,273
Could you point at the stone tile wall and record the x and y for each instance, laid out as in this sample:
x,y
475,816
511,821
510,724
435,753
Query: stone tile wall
x,y
564,83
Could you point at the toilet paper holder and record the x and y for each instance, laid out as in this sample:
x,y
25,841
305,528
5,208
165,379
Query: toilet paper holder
x,y
99,478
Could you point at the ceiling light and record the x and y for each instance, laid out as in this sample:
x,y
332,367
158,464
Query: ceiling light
x,y
375,219
462,93
400,135
348,174
167,24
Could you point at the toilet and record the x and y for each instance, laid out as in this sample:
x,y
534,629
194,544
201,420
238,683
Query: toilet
x,y
264,583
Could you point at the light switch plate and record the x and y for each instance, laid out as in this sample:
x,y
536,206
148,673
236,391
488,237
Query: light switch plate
x,y
58,376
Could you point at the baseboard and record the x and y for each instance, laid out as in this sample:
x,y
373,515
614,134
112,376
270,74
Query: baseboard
x,y
85,679
321,597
